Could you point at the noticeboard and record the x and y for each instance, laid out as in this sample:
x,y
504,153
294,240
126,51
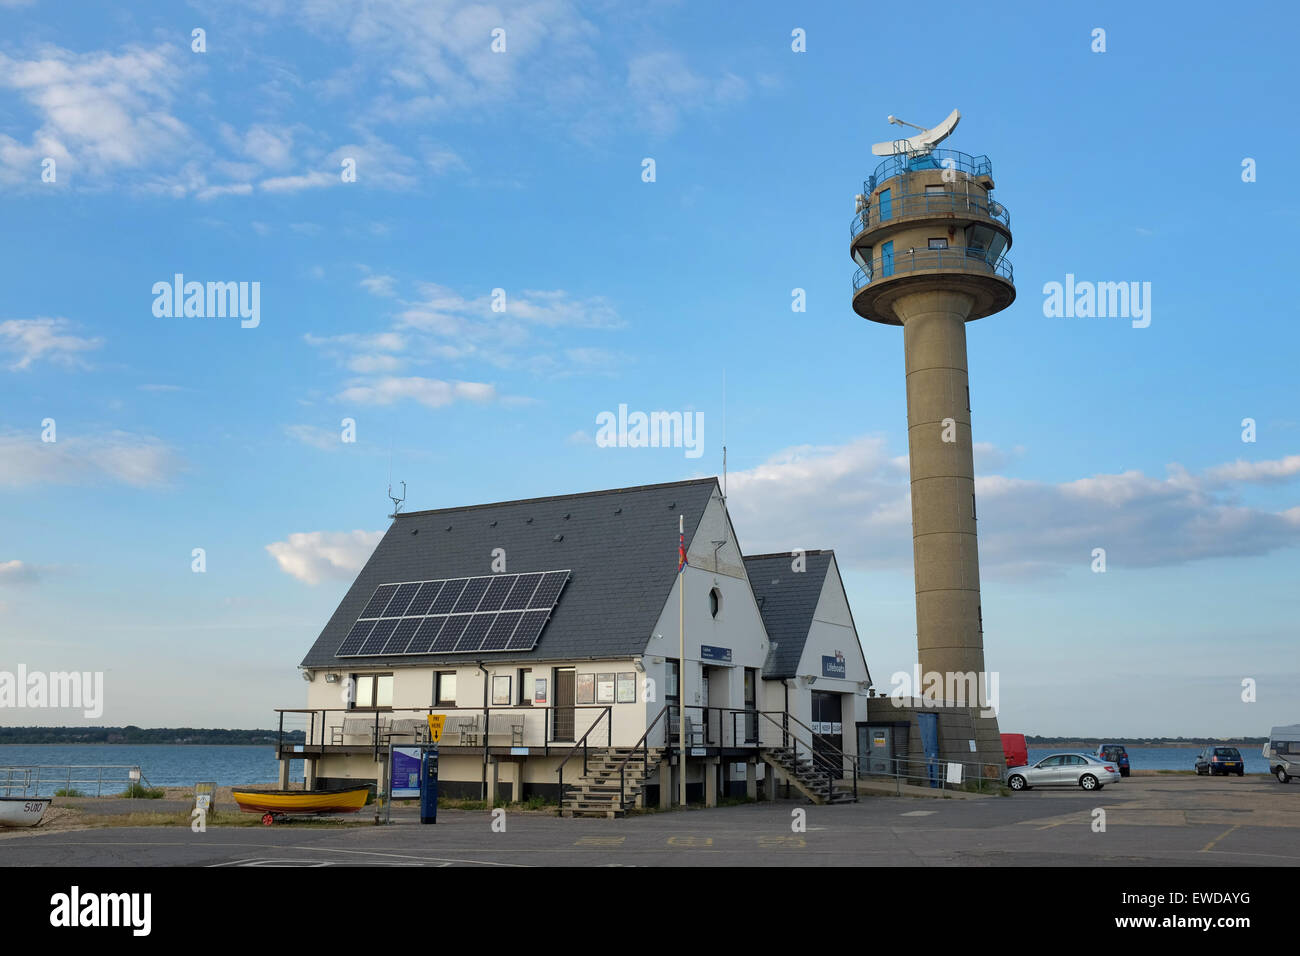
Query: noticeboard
x,y
406,772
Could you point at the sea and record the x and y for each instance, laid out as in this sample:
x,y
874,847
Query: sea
x,y
161,765
1160,758
183,765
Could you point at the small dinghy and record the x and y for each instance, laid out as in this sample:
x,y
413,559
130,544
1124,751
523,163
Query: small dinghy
x,y
22,811
276,804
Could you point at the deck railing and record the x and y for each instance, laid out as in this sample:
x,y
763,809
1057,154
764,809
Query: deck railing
x,y
35,780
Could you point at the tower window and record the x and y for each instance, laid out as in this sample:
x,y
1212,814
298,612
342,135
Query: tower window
x,y
968,398
972,507
715,602
933,189
938,243
979,609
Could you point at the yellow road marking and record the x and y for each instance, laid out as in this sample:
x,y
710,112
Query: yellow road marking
x,y
1219,837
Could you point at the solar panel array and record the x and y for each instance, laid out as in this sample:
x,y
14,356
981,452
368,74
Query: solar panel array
x,y
496,612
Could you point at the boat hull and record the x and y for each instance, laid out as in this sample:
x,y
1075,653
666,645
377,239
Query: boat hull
x,y
348,800
22,811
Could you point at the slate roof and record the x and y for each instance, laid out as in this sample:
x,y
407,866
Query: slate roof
x,y
787,600
621,547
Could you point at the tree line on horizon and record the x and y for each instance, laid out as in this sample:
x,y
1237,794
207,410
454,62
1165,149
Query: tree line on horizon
x,y
131,734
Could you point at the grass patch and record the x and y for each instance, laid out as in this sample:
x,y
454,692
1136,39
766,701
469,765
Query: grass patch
x,y
68,792
137,791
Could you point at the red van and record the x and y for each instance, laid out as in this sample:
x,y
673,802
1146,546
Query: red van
x,y
1017,753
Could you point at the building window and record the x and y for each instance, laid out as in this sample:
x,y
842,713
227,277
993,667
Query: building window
x,y
670,668
935,188
525,686
940,243
372,692
715,602
444,690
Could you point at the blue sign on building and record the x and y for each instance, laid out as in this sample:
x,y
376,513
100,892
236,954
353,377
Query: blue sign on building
x,y
834,666
406,772
720,654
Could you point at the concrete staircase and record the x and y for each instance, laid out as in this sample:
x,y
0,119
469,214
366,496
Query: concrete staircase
x,y
597,793
807,779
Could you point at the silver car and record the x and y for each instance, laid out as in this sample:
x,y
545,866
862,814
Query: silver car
x,y
1064,770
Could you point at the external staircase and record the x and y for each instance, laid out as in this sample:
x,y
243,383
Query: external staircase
x,y
601,792
815,784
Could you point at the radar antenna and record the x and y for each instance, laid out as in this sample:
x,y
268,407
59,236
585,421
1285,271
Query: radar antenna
x,y
922,142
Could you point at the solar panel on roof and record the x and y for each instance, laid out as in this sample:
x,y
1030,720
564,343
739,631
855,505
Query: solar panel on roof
x,y
381,597
447,599
496,593
378,637
472,594
494,612
498,637
420,603
521,592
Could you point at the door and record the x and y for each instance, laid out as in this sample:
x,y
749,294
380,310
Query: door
x,y
886,204
706,673
562,715
887,259
751,704
828,737
877,745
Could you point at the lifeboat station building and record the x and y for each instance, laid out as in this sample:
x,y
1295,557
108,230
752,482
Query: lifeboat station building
x,y
546,631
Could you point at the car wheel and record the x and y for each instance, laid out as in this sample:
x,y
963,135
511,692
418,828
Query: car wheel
x,y
1016,782
1282,776
1088,782
1241,773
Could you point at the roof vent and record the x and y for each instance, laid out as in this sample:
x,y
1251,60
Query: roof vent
x,y
415,531
671,505
528,521
566,516
558,537
448,527
492,525
618,511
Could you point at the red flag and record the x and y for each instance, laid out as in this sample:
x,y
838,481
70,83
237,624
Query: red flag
x,y
681,552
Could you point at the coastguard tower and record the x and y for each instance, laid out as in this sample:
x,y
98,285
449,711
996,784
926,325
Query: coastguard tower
x,y
930,242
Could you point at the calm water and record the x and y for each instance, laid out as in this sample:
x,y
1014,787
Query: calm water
x,y
163,765
1162,758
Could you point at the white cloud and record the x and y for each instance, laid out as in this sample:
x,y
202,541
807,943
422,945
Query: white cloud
x,y
1279,470
17,572
290,184
663,87
855,499
322,438
96,112
216,192
431,392
380,285
138,460
314,556
29,340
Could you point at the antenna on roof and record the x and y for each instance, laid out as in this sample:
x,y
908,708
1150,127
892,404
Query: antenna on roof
x,y
397,502
922,142
724,436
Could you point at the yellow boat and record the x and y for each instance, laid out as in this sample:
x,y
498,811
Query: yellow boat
x,y
280,803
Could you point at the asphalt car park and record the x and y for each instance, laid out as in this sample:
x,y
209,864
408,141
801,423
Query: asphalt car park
x,y
1145,820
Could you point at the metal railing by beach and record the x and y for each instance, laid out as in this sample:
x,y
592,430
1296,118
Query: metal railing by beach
x,y
949,159
933,772
910,205
964,259
33,781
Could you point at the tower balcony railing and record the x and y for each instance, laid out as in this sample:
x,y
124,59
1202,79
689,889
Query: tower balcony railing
x,y
950,159
962,259
910,205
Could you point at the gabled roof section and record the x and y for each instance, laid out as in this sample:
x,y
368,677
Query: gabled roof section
x,y
787,599
620,545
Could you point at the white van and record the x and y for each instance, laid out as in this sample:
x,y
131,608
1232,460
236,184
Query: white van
x,y
1283,752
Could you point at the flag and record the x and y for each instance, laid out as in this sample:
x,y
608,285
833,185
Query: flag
x,y
681,552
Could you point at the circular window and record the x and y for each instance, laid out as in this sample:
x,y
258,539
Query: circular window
x,y
715,602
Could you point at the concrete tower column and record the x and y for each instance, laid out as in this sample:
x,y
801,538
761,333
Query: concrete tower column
x,y
944,551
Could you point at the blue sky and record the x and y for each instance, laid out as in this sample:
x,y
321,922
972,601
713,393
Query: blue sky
x,y
522,171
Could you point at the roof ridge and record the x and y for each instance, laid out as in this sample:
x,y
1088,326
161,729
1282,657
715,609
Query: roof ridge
x,y
568,497
786,554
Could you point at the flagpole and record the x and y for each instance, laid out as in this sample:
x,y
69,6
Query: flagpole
x,y
681,660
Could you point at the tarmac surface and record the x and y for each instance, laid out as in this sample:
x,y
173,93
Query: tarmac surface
x,y
1156,820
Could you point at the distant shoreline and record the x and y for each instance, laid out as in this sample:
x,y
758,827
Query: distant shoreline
x,y
137,736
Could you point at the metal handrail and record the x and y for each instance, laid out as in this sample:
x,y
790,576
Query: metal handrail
x,y
901,163
924,768
643,743
965,258
31,777
830,780
917,204
609,742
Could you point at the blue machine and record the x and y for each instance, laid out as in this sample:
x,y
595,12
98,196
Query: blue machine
x,y
429,786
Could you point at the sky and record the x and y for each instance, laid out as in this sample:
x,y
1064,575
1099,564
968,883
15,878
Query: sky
x,y
458,247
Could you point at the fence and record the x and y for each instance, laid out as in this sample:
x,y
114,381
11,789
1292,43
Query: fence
x,y
934,772
34,780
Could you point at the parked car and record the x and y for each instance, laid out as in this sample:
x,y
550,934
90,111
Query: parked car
x,y
1064,770
1220,760
1116,754
1015,750
1283,752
